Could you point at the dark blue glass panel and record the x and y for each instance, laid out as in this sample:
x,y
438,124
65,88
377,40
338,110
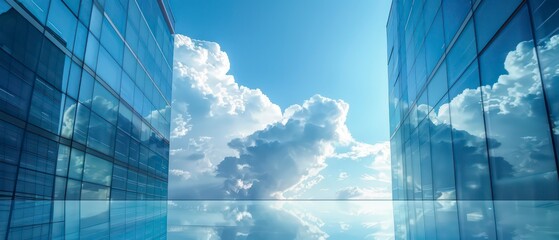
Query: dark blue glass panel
x,y
454,13
46,106
434,43
490,16
39,154
11,138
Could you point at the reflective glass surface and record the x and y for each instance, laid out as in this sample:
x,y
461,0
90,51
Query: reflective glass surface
x,y
488,109
62,114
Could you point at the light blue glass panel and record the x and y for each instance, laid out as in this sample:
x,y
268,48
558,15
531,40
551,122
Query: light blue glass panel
x,y
104,103
38,8
62,22
462,53
75,170
97,170
108,69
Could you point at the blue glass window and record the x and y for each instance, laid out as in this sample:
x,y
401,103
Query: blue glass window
x,y
546,23
109,70
34,184
86,89
11,138
68,118
62,22
522,158
39,154
91,51
37,7
461,54
437,86
468,132
442,155
81,126
15,89
62,160
434,43
75,170
97,170
73,189
454,13
94,192
74,80
105,104
490,16
45,107
101,135
80,42
111,41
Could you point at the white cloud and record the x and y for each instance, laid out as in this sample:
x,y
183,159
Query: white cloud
x,y
234,142
381,177
342,176
364,193
185,175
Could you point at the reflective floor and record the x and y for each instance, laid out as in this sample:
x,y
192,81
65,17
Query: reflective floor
x,y
279,220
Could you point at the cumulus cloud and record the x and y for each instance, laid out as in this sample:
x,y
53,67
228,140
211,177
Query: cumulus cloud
x,y
342,176
286,153
235,143
363,193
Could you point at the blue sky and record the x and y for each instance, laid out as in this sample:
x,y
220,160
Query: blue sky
x,y
280,99
293,49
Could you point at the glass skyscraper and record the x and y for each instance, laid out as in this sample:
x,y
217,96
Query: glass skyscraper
x,y
474,99
85,92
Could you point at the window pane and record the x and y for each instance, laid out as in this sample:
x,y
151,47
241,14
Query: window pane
x,y
62,160
442,154
468,133
94,192
62,22
76,164
81,127
105,104
546,22
68,118
438,86
39,153
462,53
10,142
45,107
490,16
454,13
522,158
97,170
101,135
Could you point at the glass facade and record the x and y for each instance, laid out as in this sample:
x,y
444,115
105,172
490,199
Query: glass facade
x,y
85,219
474,106
85,91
